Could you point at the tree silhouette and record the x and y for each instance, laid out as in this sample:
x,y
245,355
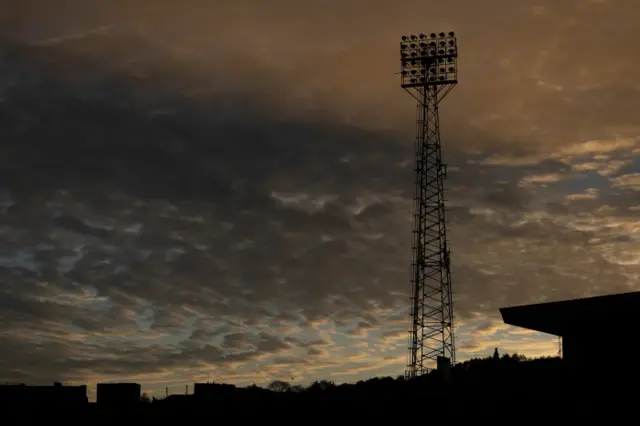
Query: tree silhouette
x,y
279,386
323,384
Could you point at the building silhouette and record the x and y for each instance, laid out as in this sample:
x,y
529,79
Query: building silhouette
x,y
21,394
118,394
583,324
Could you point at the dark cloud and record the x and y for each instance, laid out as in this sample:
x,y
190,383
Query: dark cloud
x,y
174,206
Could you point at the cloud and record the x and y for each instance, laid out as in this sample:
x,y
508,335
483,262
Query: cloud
x,y
540,179
177,207
630,181
589,194
487,329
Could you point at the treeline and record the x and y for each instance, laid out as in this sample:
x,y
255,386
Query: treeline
x,y
473,366
477,388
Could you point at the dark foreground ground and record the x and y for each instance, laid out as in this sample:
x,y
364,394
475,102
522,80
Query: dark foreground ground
x,y
499,391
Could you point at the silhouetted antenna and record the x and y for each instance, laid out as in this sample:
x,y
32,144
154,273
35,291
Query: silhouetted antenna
x,y
429,72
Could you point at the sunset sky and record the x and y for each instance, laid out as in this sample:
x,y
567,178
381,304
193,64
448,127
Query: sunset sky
x,y
221,190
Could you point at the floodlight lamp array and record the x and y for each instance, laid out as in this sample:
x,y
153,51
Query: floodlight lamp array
x,y
429,60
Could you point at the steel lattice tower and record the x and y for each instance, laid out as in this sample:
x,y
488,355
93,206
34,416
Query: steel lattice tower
x,y
429,73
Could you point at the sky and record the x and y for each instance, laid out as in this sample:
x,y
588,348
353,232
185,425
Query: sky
x,y
222,191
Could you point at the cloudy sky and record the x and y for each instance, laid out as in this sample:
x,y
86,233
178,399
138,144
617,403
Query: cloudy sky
x,y
221,191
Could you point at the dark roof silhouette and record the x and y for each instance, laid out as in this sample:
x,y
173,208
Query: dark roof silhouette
x,y
57,393
570,316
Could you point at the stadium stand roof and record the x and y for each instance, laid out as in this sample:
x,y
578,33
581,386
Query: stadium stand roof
x,y
576,315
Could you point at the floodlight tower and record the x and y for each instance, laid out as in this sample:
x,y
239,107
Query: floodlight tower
x,y
429,73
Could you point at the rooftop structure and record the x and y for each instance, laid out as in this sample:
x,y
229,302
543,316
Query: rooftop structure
x,y
118,393
19,393
583,324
